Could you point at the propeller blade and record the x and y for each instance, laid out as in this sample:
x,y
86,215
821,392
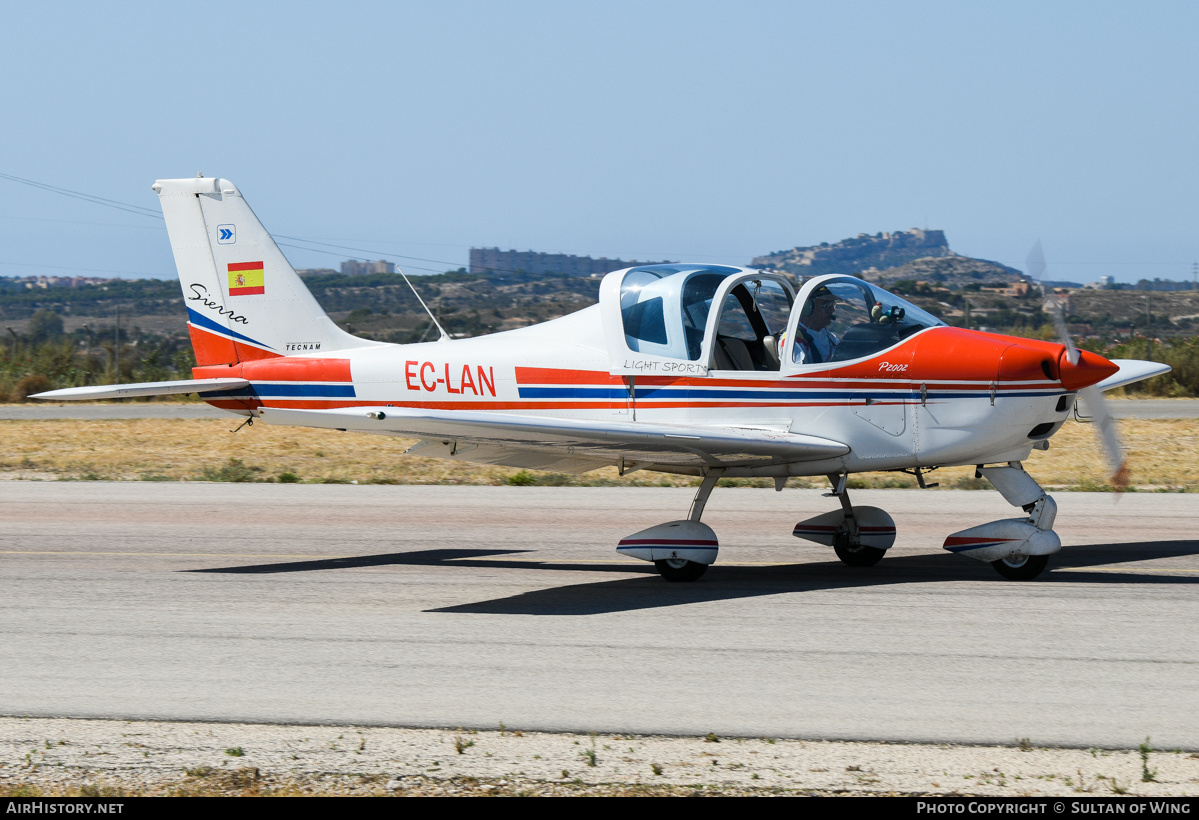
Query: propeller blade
x,y
1036,262
1063,333
1053,306
1105,425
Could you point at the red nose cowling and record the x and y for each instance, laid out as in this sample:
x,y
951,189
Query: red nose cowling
x,y
1090,369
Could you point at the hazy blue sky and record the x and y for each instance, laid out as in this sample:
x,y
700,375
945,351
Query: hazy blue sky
x,y
684,130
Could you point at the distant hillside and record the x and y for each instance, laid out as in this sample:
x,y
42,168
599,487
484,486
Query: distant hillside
x,y
881,250
379,306
953,272
888,257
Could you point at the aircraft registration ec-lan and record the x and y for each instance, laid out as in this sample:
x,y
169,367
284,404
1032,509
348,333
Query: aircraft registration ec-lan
x,y
695,369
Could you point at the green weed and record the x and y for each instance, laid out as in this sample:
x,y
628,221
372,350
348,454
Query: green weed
x,y
1147,775
234,470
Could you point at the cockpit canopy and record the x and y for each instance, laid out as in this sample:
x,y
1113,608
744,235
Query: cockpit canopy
x,y
657,317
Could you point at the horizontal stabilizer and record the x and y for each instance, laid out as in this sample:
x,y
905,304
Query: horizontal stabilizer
x,y
1132,370
127,391
607,440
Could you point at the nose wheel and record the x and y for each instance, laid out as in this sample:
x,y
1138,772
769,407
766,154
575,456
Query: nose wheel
x,y
854,553
680,569
1021,567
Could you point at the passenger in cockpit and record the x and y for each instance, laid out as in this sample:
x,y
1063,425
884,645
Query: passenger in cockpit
x,y
815,343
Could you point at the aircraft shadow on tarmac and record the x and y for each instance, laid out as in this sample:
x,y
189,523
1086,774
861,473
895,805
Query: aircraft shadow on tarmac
x,y
728,582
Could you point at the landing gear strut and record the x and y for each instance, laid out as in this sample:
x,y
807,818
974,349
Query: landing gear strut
x,y
847,543
860,536
679,550
1018,548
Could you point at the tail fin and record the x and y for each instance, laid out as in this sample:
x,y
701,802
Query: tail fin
x,y
244,300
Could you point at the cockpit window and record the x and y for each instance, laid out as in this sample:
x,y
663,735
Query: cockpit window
x,y
696,305
665,308
752,318
844,319
644,320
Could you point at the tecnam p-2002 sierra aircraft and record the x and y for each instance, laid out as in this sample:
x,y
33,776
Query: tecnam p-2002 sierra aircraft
x,y
696,369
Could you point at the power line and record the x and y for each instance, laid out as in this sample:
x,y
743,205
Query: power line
x,y
69,267
342,255
143,211
96,200
361,250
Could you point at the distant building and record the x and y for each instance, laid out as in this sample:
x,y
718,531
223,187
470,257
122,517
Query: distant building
x,y
537,264
354,267
1019,289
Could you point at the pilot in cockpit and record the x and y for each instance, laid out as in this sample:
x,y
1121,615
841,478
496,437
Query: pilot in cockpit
x,y
814,342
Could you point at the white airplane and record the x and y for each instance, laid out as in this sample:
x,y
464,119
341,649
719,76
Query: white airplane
x,y
703,370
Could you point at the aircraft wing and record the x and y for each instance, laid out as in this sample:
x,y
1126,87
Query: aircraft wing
x,y
1132,370
568,445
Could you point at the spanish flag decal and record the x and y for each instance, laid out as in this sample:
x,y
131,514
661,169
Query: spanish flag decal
x,y
246,279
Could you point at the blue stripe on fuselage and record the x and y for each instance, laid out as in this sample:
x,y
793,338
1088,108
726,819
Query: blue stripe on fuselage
x,y
288,391
696,393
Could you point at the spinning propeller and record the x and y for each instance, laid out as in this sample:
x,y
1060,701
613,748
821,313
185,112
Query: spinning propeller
x,y
1109,438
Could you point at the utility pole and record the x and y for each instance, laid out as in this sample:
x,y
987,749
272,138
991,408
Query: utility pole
x,y
116,349
1148,326
87,356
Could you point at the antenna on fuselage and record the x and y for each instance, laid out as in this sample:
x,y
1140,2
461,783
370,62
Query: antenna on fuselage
x,y
445,337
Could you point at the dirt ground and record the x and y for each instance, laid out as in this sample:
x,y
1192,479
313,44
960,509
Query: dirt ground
x,y
64,757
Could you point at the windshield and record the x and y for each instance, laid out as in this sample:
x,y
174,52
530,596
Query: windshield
x,y
845,319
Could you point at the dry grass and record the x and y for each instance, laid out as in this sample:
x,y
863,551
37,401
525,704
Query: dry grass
x,y
190,449
1164,455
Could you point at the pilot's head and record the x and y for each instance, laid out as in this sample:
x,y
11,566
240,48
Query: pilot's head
x,y
820,309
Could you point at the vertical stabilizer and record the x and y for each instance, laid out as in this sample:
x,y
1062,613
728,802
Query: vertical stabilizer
x,y
244,300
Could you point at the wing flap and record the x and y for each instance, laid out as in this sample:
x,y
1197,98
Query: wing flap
x,y
581,440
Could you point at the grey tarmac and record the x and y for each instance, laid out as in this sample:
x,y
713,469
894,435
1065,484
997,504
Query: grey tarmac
x,y
441,606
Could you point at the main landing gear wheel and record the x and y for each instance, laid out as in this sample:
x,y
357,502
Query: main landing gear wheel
x,y
857,555
680,569
1021,567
